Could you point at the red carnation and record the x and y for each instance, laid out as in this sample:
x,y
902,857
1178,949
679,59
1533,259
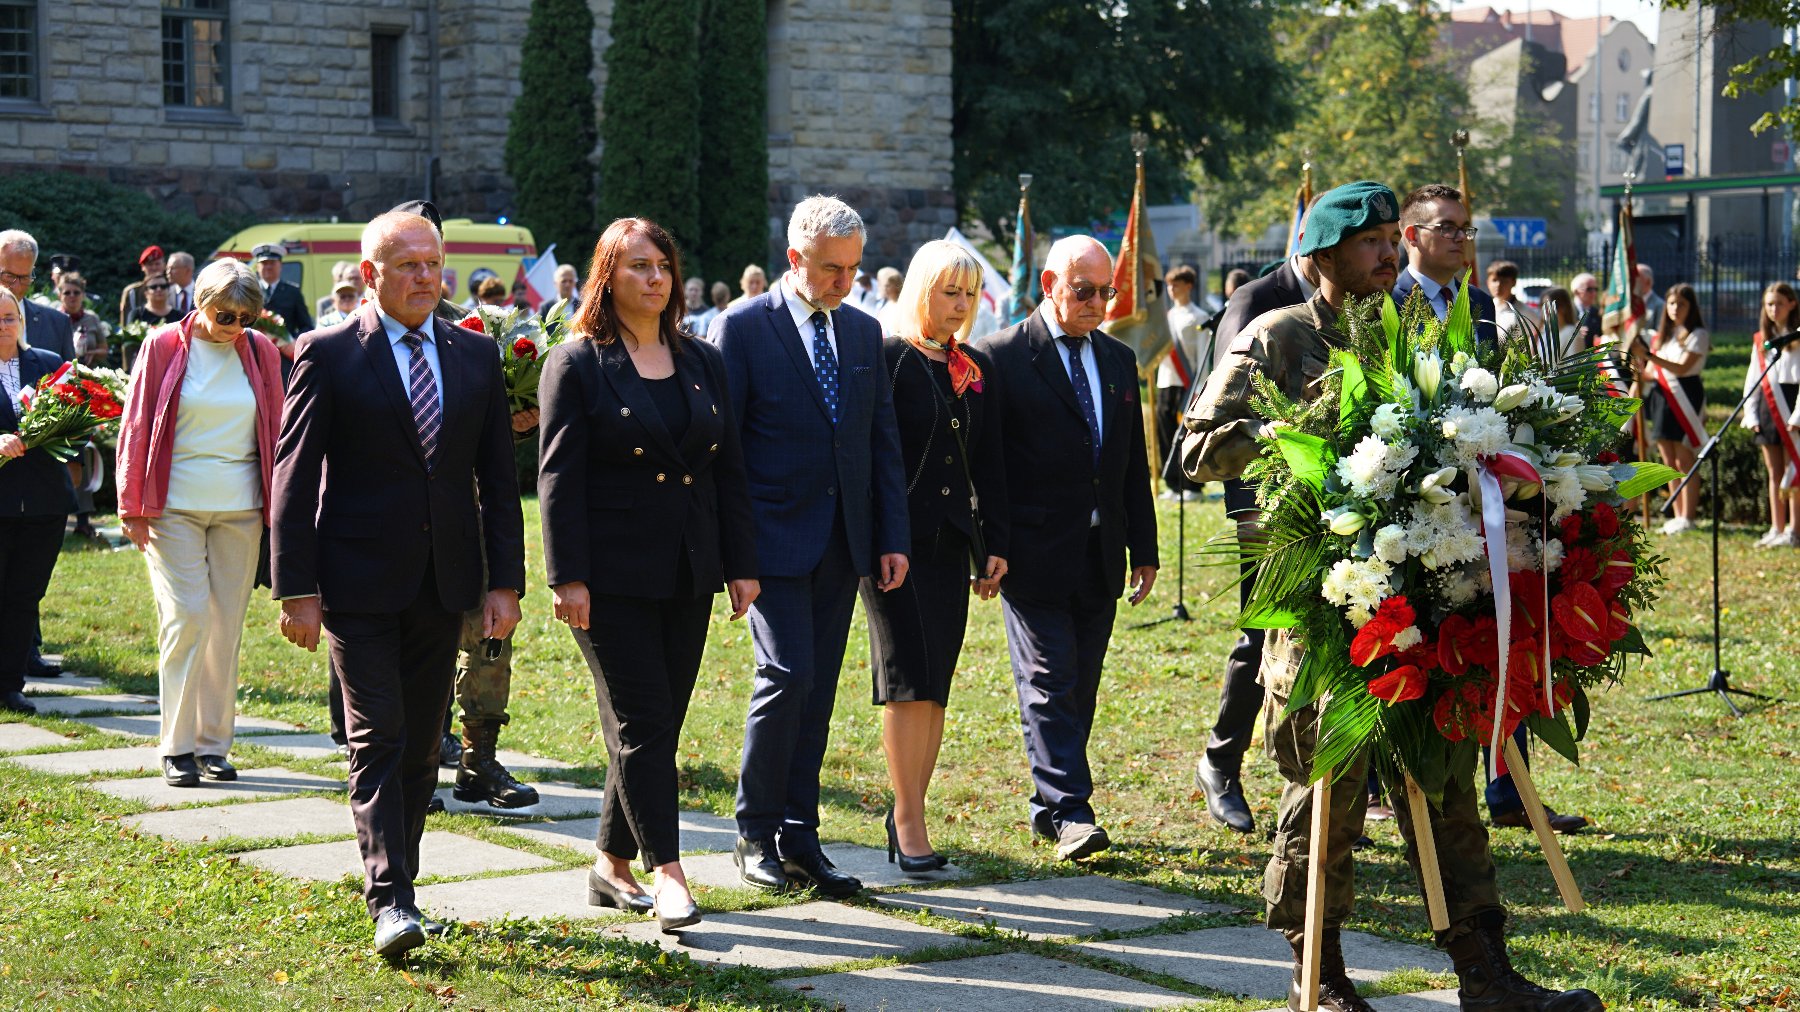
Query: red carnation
x,y
1571,528
1403,683
1580,565
523,348
1606,457
472,322
1606,520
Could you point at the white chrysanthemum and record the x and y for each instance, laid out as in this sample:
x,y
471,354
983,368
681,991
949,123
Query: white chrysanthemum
x,y
1442,535
1357,583
1480,384
1553,555
1408,638
1358,615
1476,433
1389,421
1373,469
1563,487
1458,589
1522,551
1390,544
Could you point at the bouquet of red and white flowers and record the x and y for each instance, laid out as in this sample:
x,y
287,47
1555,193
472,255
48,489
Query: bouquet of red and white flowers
x,y
67,408
1443,530
523,340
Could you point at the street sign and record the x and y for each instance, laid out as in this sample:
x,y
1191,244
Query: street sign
x,y
1526,232
1778,152
1674,159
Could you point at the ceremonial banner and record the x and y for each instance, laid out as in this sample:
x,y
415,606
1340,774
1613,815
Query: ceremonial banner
x,y
1622,313
1302,197
1025,292
540,278
1135,315
994,290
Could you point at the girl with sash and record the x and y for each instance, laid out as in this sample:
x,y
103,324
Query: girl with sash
x,y
1767,413
1673,395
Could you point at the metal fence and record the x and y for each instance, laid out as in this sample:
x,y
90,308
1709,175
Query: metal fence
x,y
1728,272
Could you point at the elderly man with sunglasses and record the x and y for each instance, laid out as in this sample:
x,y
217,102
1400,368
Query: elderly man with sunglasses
x,y
1079,479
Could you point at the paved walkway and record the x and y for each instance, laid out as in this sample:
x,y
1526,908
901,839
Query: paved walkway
x,y
1104,930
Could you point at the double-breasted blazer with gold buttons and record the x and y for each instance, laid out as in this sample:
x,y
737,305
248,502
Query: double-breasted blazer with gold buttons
x,y
625,502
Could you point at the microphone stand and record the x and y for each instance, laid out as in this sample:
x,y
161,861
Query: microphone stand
x,y
1180,612
1720,680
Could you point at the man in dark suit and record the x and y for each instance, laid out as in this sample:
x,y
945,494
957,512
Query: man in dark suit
x,y
1078,480
45,327
822,453
393,472
1434,223
280,297
1219,770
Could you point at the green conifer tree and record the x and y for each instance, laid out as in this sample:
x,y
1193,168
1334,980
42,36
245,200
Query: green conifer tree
x,y
550,133
650,120
734,155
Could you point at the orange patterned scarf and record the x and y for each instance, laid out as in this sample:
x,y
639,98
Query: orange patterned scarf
x,y
964,373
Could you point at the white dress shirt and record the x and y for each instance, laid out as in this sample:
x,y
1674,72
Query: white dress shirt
x,y
802,311
1431,289
396,331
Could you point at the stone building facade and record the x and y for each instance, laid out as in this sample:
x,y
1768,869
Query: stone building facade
x,y
345,108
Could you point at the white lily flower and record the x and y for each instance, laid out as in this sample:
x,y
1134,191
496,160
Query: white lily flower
x,y
1347,523
1510,397
1434,488
1594,477
1525,435
1428,372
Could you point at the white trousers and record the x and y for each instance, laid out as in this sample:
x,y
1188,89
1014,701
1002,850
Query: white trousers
x,y
202,566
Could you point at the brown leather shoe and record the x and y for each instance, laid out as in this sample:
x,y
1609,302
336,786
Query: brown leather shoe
x,y
1560,823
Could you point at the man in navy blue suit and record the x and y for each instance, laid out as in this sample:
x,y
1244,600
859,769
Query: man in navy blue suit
x,y
1434,224
822,452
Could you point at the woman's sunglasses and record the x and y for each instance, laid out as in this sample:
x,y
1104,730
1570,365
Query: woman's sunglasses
x,y
227,318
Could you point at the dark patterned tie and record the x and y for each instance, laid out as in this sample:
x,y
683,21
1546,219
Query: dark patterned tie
x,y
1084,395
825,364
427,412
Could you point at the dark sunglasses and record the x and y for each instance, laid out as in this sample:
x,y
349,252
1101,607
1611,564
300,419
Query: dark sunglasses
x,y
227,318
1083,293
155,287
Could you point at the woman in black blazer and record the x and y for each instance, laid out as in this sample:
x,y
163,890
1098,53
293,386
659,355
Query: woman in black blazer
x,y
646,511
35,501
956,498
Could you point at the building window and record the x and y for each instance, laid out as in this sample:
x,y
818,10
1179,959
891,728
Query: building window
x,y
1594,107
19,49
1622,108
384,73
196,62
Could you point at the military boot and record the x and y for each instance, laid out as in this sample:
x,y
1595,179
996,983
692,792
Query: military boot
x,y
1337,993
1488,983
480,777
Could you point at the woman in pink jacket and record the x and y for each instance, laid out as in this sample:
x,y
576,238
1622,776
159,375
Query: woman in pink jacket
x,y
196,451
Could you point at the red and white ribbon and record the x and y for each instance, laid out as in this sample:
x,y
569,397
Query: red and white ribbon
x,y
1779,410
1493,525
1691,424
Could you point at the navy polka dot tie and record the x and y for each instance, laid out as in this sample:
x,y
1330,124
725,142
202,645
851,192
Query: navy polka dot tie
x,y
1084,394
825,365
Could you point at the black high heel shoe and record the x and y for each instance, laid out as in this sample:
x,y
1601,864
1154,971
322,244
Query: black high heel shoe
x,y
602,893
910,865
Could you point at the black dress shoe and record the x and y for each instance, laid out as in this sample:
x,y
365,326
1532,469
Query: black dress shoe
x,y
1224,796
671,918
16,702
433,929
758,865
815,869
398,930
924,864
1559,822
602,893
450,752
1077,840
434,806
216,767
39,667
180,770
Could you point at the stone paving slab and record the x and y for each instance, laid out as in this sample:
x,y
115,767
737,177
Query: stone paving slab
x,y
547,895
269,782
556,800
300,746
865,863
796,937
260,820
1008,982
16,737
150,726
1256,962
99,760
61,684
1424,1001
441,855
1057,908
77,704
701,832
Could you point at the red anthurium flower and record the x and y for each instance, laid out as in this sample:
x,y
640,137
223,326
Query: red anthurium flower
x,y
1618,622
1528,614
1403,683
1376,638
1606,520
1483,647
1585,654
1422,655
1525,680
1580,565
1448,717
1580,612
1617,572
1453,645
1562,693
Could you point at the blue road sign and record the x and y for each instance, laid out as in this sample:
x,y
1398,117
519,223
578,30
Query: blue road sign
x,y
1527,232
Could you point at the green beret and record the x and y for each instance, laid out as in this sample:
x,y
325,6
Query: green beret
x,y
1346,210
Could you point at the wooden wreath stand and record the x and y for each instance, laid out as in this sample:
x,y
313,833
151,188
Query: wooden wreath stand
x,y
1428,862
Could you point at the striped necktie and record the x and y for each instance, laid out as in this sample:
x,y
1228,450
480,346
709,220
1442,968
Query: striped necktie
x,y
427,412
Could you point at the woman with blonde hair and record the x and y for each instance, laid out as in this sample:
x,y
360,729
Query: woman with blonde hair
x,y
196,457
1767,413
956,498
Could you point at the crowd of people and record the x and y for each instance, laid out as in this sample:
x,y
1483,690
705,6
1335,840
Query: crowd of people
x,y
825,435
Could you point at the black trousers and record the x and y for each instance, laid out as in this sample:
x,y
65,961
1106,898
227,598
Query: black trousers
x,y
1240,695
644,656
396,670
28,550
1058,647
1170,402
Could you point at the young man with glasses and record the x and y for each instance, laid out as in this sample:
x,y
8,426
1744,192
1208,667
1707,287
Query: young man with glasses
x,y
1434,224
45,326
1078,481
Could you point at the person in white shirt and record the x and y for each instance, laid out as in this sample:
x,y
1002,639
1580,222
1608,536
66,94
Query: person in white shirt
x,y
1176,373
1674,397
699,314
1502,278
1770,412
752,283
343,302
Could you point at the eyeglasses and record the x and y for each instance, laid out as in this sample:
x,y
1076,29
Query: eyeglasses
x,y
227,318
155,288
1450,231
1589,288
9,278
1083,293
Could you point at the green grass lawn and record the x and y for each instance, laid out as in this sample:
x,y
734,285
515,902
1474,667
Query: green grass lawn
x,y
1692,869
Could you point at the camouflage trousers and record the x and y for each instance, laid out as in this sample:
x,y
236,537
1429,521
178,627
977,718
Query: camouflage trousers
x,y
1464,861
482,685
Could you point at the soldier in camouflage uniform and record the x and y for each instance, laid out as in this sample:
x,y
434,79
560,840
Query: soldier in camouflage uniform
x,y
1352,236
